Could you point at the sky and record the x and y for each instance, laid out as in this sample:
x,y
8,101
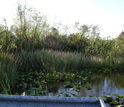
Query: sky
x,y
107,14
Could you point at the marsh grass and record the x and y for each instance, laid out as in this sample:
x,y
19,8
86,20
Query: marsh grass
x,y
72,61
29,62
14,66
8,73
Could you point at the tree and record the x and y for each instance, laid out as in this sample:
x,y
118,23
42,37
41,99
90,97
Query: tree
x,y
6,38
30,28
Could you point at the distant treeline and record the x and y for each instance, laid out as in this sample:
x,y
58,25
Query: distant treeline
x,y
32,32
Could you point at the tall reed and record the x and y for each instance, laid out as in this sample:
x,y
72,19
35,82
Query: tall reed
x,y
8,73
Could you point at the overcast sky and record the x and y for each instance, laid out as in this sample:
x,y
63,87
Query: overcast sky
x,y
108,14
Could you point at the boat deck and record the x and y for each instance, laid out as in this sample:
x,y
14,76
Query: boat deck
x,y
39,101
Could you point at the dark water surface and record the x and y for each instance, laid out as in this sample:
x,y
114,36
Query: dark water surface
x,y
101,85
105,85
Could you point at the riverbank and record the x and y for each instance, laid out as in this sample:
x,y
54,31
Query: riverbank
x,y
32,71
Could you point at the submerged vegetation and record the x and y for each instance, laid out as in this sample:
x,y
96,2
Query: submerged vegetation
x,y
115,100
34,54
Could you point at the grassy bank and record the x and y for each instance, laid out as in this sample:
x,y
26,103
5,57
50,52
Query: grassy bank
x,y
27,70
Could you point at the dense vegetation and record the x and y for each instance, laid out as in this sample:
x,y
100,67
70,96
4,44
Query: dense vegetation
x,y
32,52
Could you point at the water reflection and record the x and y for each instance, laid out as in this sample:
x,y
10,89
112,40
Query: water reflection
x,y
105,85
58,90
101,85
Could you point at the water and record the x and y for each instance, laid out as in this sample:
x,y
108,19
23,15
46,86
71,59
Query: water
x,y
105,85
100,85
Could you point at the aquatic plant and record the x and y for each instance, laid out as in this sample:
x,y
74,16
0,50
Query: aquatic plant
x,y
115,100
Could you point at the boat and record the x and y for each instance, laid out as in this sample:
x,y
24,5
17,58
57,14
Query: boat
x,y
46,101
